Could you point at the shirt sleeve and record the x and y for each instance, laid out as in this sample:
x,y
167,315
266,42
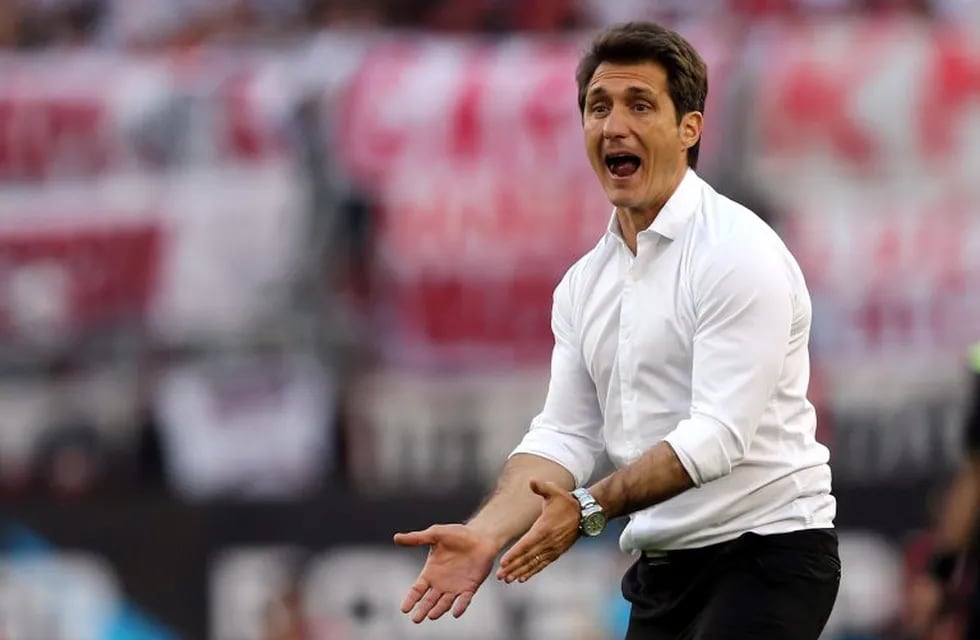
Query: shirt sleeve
x,y
972,430
568,429
744,303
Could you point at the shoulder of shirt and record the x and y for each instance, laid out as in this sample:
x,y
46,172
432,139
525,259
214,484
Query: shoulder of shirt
x,y
586,265
720,220
726,230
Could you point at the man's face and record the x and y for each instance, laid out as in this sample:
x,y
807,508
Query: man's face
x,y
635,144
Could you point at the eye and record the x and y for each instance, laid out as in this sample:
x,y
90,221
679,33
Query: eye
x,y
642,107
599,109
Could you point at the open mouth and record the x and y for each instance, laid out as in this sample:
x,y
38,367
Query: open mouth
x,y
622,165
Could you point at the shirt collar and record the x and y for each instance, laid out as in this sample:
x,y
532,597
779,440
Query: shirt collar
x,y
675,213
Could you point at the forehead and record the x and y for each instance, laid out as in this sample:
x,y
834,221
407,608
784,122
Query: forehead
x,y
611,77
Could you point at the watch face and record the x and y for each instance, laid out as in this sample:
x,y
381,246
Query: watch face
x,y
592,525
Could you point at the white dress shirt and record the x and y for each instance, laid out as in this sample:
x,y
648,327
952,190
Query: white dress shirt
x,y
700,339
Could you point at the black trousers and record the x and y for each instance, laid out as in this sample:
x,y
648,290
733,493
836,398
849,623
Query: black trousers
x,y
774,587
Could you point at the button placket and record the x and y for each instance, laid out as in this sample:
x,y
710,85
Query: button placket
x,y
624,356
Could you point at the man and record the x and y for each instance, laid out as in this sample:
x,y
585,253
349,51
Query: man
x,y
680,349
955,531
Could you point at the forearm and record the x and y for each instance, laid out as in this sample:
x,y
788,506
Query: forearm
x,y
958,515
656,476
512,507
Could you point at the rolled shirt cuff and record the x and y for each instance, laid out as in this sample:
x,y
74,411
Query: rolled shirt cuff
x,y
706,448
576,457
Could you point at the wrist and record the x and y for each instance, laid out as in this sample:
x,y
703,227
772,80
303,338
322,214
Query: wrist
x,y
485,530
592,518
601,493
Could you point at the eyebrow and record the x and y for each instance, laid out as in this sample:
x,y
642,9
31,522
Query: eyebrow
x,y
640,91
632,91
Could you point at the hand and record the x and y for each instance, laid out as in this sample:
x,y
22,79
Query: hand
x,y
552,534
458,563
925,599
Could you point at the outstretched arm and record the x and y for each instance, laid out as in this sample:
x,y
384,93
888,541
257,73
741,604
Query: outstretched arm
x,y
557,454
512,508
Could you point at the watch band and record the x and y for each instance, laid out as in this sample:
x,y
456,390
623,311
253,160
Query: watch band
x,y
584,498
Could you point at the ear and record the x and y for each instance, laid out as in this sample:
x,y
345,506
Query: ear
x,y
690,128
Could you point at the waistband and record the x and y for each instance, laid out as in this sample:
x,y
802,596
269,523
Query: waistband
x,y
801,539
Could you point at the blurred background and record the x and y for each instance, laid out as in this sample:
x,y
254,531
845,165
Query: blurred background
x,y
275,283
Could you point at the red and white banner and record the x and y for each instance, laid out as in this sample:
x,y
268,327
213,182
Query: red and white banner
x,y
91,113
163,193
865,100
892,270
476,156
866,135
72,279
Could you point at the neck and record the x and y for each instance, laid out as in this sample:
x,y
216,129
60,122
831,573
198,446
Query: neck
x,y
633,220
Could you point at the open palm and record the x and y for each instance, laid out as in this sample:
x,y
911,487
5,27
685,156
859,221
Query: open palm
x,y
458,563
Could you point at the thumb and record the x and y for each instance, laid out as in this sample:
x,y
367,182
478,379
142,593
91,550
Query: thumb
x,y
545,489
416,538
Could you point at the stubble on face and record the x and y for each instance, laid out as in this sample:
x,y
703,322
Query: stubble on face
x,y
634,141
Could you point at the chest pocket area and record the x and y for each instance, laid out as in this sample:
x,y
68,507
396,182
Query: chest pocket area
x,y
660,352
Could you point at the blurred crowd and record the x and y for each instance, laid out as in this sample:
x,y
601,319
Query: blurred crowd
x,y
88,405
315,260
155,23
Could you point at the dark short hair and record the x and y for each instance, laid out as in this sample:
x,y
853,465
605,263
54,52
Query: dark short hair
x,y
639,42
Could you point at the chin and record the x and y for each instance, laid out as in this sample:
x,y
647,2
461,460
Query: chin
x,y
621,200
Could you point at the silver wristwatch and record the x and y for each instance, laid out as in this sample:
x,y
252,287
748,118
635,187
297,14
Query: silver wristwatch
x,y
593,520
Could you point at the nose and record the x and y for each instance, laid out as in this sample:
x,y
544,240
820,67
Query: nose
x,y
614,126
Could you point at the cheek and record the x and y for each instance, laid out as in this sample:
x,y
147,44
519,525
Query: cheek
x,y
665,141
591,137
592,149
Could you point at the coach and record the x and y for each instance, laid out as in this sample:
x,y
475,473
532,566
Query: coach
x,y
681,350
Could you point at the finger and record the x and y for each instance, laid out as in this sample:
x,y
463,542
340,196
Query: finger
x,y
529,568
444,604
522,551
545,489
522,547
415,593
509,562
539,488
425,605
517,563
520,566
523,570
532,570
416,538
462,602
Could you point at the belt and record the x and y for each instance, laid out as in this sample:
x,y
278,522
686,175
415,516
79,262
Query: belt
x,y
746,538
693,552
